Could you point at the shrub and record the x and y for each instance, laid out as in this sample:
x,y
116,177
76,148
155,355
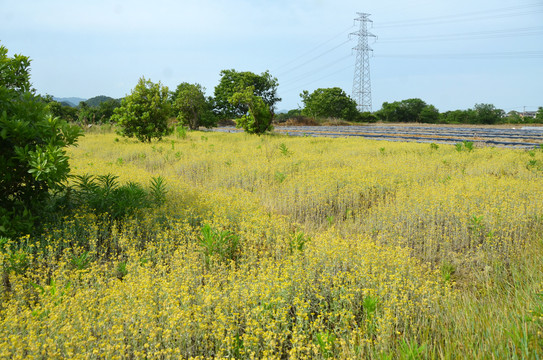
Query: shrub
x,y
144,113
33,159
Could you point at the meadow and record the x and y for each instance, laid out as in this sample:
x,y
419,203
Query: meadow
x,y
287,247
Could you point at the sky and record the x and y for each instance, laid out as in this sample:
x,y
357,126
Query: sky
x,y
451,54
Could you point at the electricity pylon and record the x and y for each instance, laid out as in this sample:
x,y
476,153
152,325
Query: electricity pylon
x,y
361,81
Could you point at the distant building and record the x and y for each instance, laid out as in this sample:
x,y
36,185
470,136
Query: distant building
x,y
528,114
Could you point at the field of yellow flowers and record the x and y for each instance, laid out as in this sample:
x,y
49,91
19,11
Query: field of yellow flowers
x,y
280,247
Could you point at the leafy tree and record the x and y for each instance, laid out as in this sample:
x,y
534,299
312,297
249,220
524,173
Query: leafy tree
x,y
329,102
144,113
514,117
367,116
232,81
487,114
62,111
106,109
457,116
539,116
33,159
410,110
192,107
429,114
281,117
259,117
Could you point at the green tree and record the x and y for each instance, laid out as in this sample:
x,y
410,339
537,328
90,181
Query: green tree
x,y
410,110
539,116
487,114
258,118
329,102
192,107
232,81
429,114
457,117
33,158
368,117
144,113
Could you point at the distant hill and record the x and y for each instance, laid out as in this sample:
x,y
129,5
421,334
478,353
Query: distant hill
x,y
72,101
97,100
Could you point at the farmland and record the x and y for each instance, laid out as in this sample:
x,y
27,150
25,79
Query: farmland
x,y
288,247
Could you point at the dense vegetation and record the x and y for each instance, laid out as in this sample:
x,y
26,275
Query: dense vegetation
x,y
259,247
285,247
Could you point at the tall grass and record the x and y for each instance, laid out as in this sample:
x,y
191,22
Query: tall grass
x,y
275,247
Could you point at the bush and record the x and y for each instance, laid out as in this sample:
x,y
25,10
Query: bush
x,y
33,159
144,113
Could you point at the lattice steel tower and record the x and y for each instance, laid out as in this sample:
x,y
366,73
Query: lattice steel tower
x,y
361,81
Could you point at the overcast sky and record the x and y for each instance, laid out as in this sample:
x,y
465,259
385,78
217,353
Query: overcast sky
x,y
452,54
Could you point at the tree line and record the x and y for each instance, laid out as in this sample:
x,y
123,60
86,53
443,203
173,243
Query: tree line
x,y
250,99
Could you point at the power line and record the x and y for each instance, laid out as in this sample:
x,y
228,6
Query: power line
x,y
318,79
489,55
316,70
470,16
314,49
314,58
479,35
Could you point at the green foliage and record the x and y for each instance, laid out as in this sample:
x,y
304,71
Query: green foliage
x,y
368,117
258,120
62,111
192,107
100,99
144,113
539,116
464,146
222,245
447,270
284,150
298,242
410,110
33,158
326,341
81,261
121,271
329,102
487,114
457,117
288,115
232,81
181,132
106,197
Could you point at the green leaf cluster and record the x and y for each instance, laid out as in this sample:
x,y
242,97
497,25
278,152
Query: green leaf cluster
x,y
33,158
192,107
329,103
259,117
232,81
410,110
144,113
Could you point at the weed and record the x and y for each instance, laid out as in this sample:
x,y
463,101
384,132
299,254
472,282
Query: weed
x,y
221,244
326,342
121,271
412,350
81,262
447,270
280,177
284,150
181,132
158,191
298,242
